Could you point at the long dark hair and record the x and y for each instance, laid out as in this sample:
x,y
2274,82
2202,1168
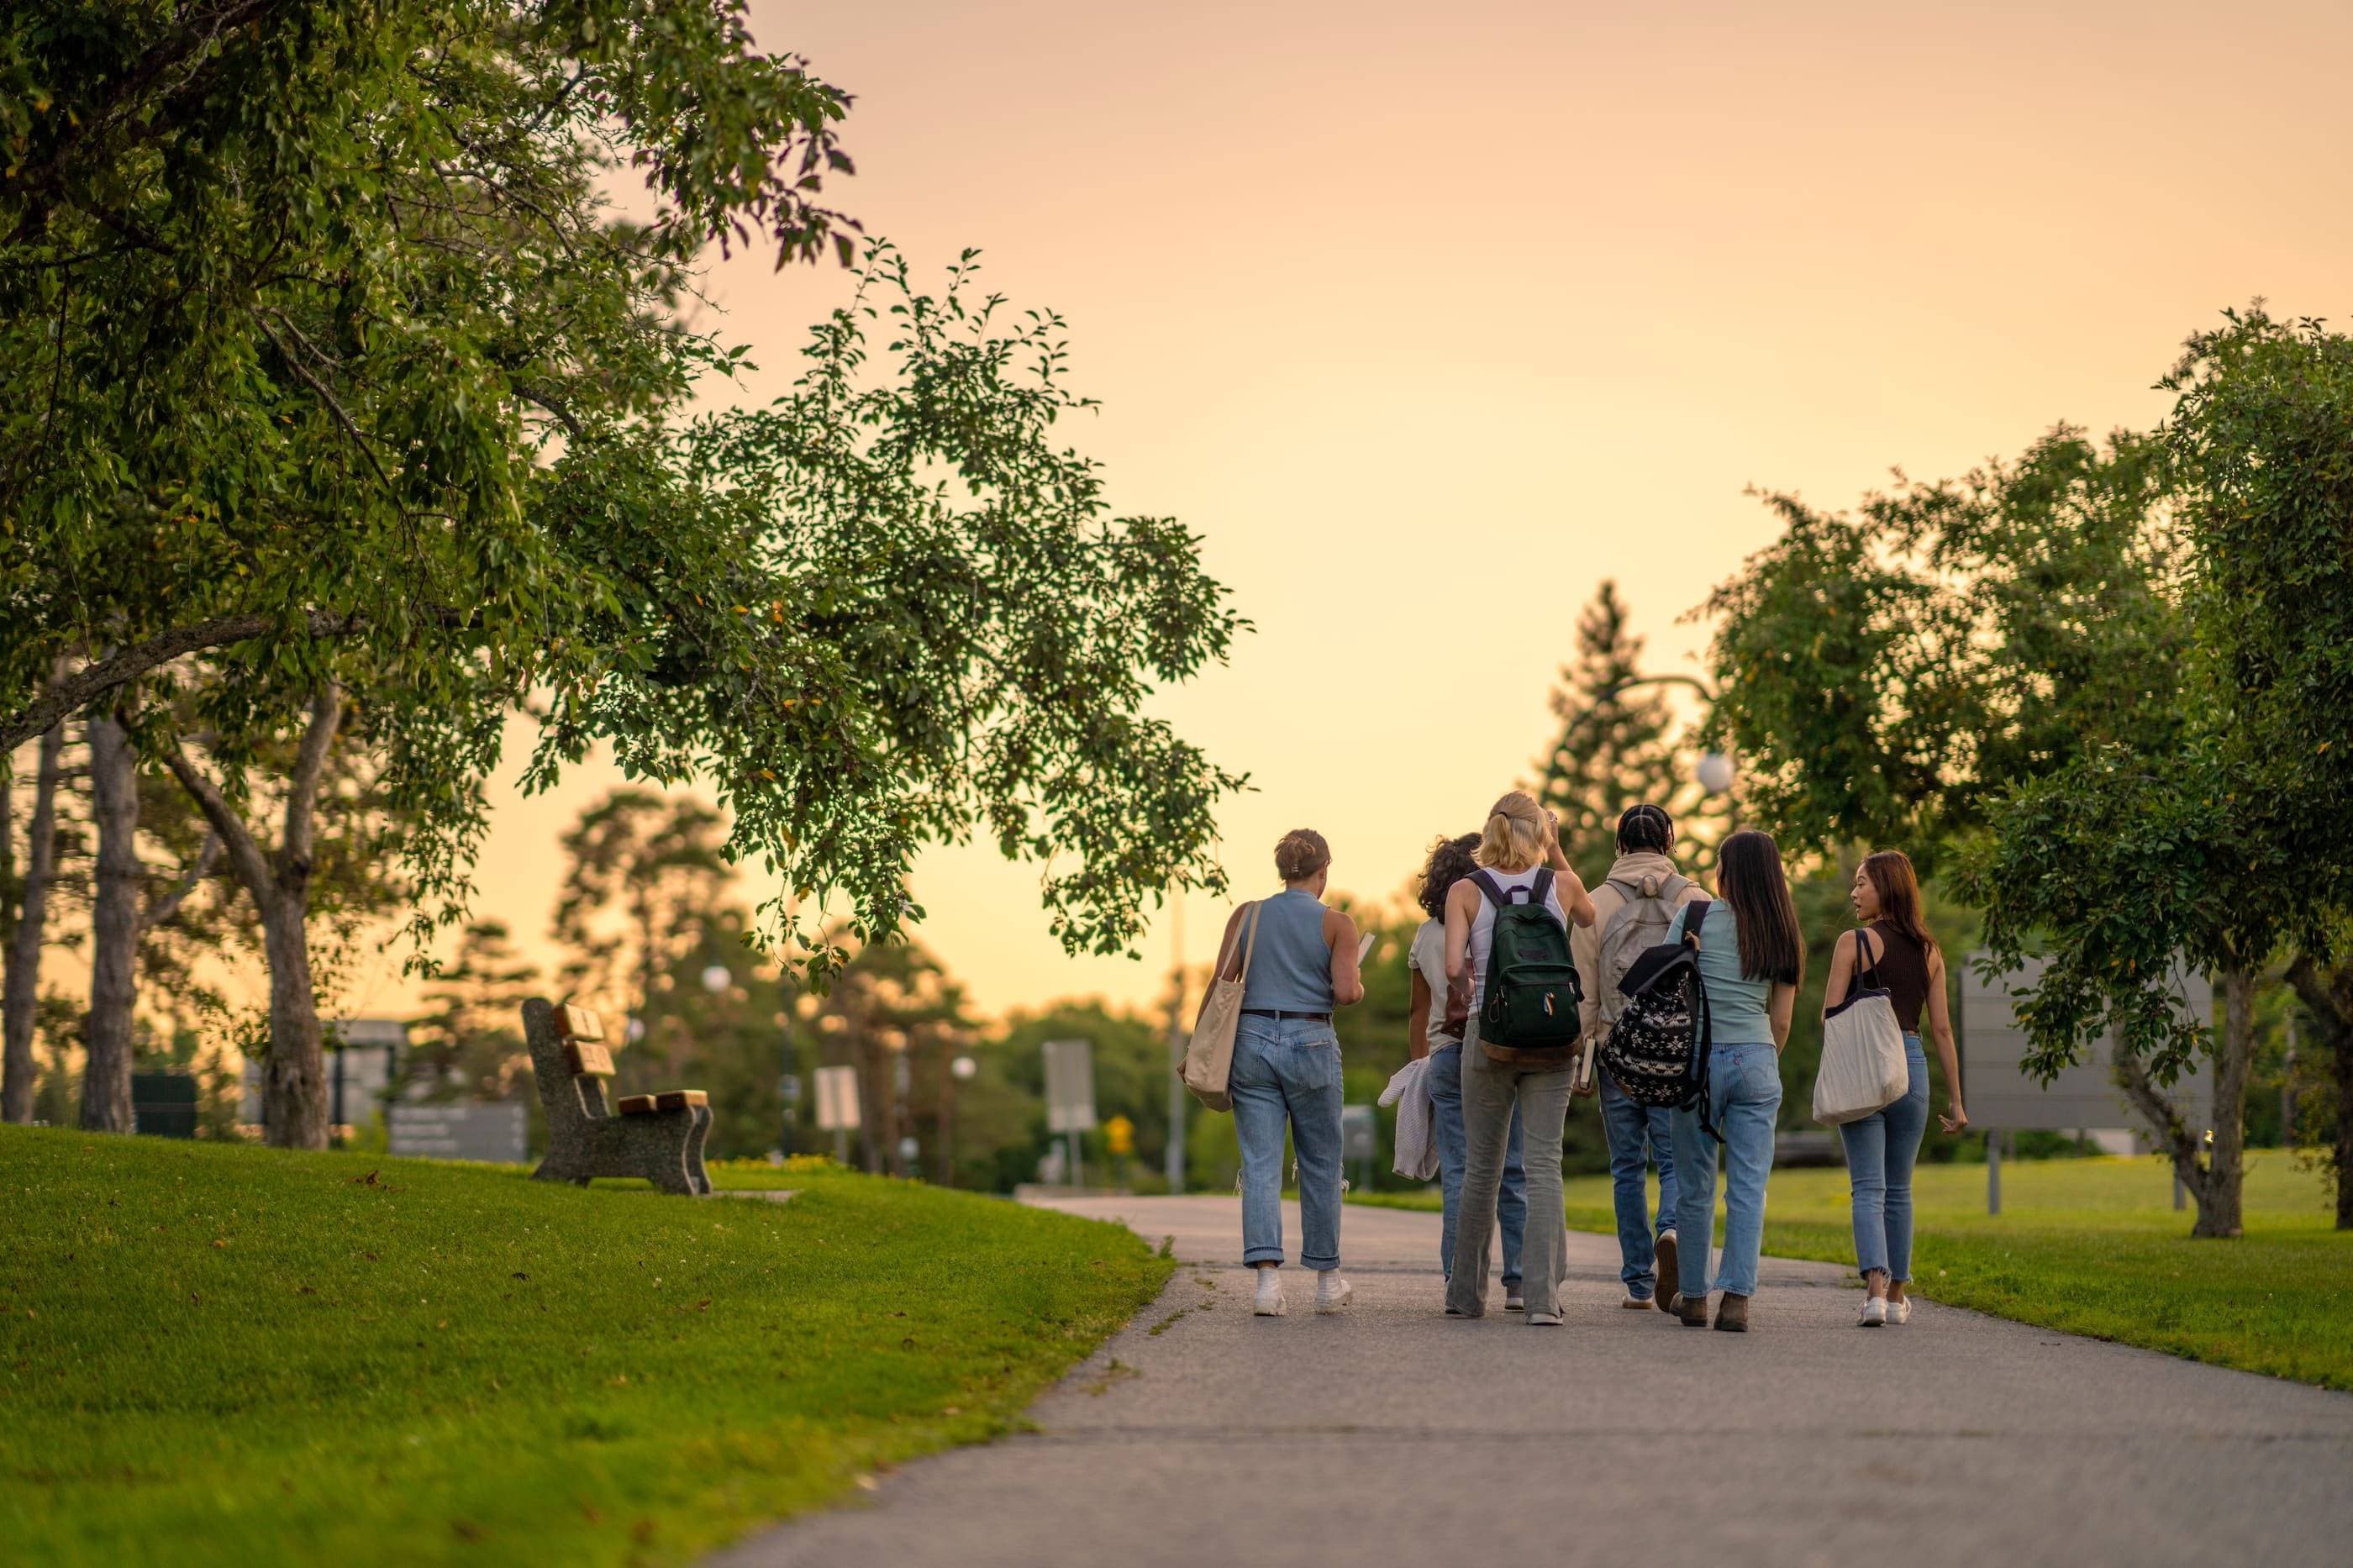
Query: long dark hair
x,y
1748,874
1451,860
1891,878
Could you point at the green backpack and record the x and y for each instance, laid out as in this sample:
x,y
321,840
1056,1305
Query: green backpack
x,y
1530,1014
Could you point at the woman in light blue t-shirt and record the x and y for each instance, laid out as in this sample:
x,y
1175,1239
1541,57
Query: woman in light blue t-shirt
x,y
1751,957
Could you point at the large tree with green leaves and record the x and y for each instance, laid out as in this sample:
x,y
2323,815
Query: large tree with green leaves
x,y
2263,429
361,400
2035,667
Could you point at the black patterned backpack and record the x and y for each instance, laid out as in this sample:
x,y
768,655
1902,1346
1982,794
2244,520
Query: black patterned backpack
x,y
1656,1052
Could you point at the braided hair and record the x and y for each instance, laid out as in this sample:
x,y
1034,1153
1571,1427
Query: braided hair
x,y
1645,828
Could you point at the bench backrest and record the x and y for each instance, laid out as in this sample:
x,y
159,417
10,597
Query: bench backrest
x,y
569,1062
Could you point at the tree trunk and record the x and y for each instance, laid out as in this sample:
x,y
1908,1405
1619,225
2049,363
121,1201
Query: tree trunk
x,y
2219,1206
294,1078
21,991
2329,999
114,930
2216,1181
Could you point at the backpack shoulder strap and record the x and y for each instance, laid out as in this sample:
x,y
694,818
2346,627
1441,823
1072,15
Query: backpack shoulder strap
x,y
1542,890
1486,882
1695,917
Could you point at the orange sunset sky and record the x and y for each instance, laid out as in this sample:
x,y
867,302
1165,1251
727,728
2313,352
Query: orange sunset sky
x,y
1429,318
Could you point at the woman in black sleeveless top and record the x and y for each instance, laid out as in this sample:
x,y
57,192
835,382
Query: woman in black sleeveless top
x,y
1882,1147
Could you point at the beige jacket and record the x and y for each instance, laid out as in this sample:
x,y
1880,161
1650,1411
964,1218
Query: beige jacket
x,y
1646,871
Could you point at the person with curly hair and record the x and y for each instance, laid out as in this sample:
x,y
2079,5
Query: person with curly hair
x,y
1427,1033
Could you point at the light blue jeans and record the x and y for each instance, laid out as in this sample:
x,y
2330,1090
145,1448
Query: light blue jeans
x,y
1634,1131
1743,1093
1880,1151
1286,1072
1445,1081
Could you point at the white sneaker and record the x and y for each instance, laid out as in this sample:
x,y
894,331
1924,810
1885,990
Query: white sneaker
x,y
1900,1311
1332,1292
1874,1313
1544,1319
1514,1302
1270,1303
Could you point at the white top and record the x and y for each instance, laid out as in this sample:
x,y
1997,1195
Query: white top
x,y
1482,924
1427,958
1417,1140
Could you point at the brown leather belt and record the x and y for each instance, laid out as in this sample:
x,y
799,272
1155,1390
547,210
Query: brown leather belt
x,y
1270,1013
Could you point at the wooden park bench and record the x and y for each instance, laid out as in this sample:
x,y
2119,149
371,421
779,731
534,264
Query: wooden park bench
x,y
657,1136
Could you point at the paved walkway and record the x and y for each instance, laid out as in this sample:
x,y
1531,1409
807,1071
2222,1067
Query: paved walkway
x,y
1204,1437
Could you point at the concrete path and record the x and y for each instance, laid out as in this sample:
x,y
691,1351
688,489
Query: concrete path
x,y
1204,1437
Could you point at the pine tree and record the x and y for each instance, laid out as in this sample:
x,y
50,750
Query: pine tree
x,y
1612,751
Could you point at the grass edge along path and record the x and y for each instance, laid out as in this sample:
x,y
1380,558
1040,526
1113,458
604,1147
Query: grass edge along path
x,y
215,1354
2087,1246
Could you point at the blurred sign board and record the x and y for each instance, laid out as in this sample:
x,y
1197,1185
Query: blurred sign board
x,y
1358,1139
496,1131
837,1100
1070,1086
2003,1097
164,1104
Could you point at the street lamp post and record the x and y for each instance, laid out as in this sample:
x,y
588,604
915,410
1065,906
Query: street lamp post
x,y
1715,771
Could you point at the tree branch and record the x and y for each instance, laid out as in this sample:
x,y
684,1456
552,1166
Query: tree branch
x,y
2328,996
71,694
2132,1077
303,373
164,909
244,854
303,783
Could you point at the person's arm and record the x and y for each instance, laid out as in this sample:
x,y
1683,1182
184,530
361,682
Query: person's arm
x,y
1416,1024
1777,1008
1948,1057
1461,905
1842,972
1347,974
1585,951
1575,901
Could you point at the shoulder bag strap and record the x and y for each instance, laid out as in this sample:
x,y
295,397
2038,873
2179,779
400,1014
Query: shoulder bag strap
x,y
1867,975
1249,942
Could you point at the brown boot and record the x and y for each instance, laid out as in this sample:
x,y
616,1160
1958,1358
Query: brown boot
x,y
1693,1313
1732,1314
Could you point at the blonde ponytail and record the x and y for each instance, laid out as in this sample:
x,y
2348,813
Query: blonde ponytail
x,y
1515,835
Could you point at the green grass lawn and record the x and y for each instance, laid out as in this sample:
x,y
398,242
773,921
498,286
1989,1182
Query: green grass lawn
x,y
212,1353
2092,1246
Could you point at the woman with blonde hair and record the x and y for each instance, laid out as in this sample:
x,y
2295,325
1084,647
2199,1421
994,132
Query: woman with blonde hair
x,y
1286,1067
1521,860
1429,1035
1881,1147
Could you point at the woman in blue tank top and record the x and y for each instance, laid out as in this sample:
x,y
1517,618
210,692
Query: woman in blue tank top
x,y
1286,1067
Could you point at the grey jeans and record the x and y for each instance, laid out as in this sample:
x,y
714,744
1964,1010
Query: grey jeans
x,y
1490,1090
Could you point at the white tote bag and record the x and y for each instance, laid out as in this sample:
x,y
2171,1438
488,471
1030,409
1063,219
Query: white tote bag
x,y
1209,1060
1862,1067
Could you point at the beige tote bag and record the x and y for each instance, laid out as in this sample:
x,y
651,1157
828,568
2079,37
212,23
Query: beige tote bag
x,y
1862,1067
1209,1060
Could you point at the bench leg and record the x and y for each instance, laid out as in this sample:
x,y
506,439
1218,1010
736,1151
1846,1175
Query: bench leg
x,y
694,1141
550,1170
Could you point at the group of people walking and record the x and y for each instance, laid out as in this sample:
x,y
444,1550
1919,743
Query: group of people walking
x,y
1498,1112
